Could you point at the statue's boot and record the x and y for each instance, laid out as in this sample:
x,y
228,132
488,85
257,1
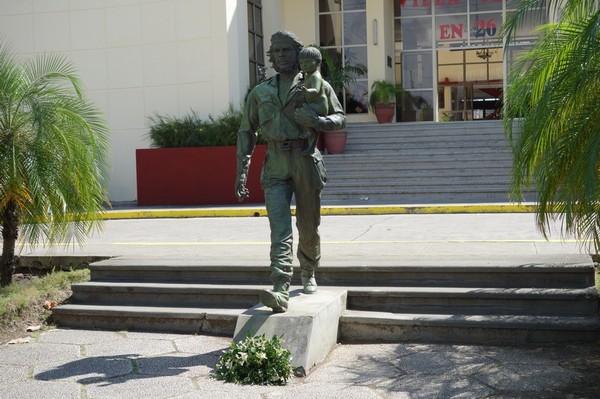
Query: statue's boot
x,y
277,298
308,281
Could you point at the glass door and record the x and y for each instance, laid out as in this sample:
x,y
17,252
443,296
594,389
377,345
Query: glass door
x,y
469,84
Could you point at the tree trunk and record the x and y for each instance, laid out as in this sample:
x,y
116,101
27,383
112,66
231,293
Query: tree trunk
x,y
10,232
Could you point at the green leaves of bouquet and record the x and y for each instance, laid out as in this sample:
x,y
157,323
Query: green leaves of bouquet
x,y
255,360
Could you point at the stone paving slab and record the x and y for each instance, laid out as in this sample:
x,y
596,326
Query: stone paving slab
x,y
147,365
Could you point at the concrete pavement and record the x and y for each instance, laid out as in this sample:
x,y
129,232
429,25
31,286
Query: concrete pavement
x,y
77,364
104,365
219,234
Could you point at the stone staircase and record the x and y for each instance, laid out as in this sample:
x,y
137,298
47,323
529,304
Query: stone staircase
x,y
421,163
471,300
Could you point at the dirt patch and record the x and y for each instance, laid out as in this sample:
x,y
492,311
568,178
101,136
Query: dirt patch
x,y
35,314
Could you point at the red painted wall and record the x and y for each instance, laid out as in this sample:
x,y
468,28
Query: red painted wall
x,y
194,176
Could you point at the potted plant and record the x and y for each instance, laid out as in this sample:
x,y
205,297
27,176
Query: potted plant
x,y
193,161
338,76
382,99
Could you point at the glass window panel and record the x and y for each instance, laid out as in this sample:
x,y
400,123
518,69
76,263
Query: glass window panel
x,y
398,30
260,50
496,71
485,5
330,5
485,28
451,73
253,79
335,55
355,28
416,106
450,57
476,72
416,33
471,55
251,48
357,97
258,21
417,70
398,70
350,5
497,55
409,8
250,17
483,55
451,30
330,30
356,56
450,6
526,31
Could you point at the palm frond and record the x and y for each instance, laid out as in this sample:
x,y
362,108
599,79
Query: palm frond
x,y
553,99
53,147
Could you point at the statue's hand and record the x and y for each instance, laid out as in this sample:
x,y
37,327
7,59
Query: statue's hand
x,y
241,191
307,117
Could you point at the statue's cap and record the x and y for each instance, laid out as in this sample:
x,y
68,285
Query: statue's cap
x,y
286,37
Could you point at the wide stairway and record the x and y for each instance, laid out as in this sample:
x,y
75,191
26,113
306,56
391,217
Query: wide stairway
x,y
421,163
477,300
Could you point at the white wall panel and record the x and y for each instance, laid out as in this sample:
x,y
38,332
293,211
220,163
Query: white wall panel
x,y
92,68
51,32
160,64
17,30
42,6
88,29
137,58
125,67
123,26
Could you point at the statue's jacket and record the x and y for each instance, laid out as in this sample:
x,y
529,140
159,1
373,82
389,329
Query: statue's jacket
x,y
265,112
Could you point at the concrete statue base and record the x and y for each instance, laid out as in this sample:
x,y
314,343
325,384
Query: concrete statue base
x,y
309,328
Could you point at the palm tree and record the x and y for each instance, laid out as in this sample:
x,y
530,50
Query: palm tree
x,y
53,156
554,103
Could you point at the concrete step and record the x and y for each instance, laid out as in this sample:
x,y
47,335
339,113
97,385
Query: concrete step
x,y
456,197
476,301
372,144
400,153
365,326
431,128
458,300
413,184
392,156
448,142
219,321
412,172
165,294
555,271
480,300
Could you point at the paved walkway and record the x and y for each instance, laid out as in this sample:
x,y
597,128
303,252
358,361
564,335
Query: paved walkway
x,y
105,365
76,364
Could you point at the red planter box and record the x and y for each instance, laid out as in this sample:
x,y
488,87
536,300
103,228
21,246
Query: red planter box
x,y
194,176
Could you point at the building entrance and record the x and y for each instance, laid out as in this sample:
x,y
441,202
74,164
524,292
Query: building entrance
x,y
470,84
449,59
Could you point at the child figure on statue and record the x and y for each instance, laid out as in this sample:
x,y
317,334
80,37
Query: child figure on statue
x,y
310,60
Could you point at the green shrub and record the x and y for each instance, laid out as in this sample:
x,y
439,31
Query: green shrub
x,y
193,131
256,360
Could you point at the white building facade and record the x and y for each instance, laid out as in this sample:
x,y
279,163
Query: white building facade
x,y
143,57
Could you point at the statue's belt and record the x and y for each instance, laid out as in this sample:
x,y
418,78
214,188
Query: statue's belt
x,y
287,145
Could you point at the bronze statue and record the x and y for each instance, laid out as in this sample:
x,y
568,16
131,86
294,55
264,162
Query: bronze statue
x,y
314,92
279,109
